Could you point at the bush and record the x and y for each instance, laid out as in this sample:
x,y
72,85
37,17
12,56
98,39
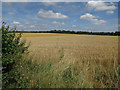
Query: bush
x,y
12,52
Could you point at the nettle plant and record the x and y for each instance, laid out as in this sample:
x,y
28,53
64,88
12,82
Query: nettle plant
x,y
13,50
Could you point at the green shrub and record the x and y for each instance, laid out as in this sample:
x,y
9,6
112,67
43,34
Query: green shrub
x,y
13,50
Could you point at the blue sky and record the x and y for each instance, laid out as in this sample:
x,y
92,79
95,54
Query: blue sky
x,y
77,16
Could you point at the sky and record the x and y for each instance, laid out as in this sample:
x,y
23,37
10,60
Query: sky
x,y
95,16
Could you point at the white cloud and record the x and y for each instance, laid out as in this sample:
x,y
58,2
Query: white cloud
x,y
15,22
92,18
27,23
100,5
87,16
49,3
58,23
50,15
21,25
99,22
32,26
10,13
74,26
110,12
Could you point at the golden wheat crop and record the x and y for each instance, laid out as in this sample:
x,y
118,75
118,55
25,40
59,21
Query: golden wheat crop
x,y
85,55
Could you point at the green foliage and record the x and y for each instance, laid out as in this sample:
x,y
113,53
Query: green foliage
x,y
13,50
116,33
19,72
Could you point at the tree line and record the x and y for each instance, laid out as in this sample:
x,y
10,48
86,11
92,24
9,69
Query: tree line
x,y
116,33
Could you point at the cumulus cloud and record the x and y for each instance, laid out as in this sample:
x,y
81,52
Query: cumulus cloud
x,y
10,13
50,15
74,26
32,26
100,5
27,22
21,25
92,19
58,23
49,3
110,12
15,22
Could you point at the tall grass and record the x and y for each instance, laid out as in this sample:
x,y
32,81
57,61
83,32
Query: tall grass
x,y
59,61
70,61
62,74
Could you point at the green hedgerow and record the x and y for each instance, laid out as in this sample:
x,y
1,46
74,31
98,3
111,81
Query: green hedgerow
x,y
13,50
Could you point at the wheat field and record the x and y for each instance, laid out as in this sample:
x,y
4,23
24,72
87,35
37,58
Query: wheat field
x,y
72,60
